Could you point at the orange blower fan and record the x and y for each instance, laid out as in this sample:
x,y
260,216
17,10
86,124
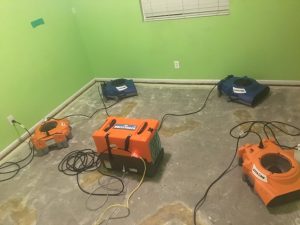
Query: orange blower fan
x,y
121,141
272,172
53,133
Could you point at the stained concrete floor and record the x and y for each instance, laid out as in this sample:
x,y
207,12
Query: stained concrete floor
x,y
197,149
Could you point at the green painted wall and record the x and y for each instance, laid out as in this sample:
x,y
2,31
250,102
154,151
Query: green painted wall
x,y
259,38
41,67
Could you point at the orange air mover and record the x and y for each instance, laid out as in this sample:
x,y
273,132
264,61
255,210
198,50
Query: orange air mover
x,y
120,141
51,134
273,173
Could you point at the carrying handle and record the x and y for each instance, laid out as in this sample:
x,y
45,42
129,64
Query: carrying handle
x,y
127,142
112,123
108,147
143,128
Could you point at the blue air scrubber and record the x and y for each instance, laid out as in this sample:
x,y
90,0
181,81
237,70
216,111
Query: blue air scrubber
x,y
118,89
243,90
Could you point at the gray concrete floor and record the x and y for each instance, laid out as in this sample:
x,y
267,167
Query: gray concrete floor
x,y
197,149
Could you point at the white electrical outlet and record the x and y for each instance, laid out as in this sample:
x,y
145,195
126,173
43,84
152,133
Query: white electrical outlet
x,y
10,119
176,64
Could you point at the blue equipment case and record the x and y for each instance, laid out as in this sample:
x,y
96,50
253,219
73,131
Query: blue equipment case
x,y
118,89
243,90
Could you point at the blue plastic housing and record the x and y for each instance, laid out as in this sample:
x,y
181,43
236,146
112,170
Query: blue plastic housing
x,y
243,90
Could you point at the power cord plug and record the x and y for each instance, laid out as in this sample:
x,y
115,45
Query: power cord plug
x,y
10,169
297,153
21,125
242,134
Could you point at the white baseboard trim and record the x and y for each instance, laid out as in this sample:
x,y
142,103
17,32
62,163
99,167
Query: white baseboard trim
x,y
69,100
280,82
17,142
202,81
165,81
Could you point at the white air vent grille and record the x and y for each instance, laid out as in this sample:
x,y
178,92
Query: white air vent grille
x,y
174,9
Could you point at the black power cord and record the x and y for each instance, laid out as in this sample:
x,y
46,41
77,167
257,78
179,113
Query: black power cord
x,y
85,160
188,113
10,169
203,198
84,115
102,99
96,111
267,126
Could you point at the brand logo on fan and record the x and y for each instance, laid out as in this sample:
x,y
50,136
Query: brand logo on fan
x,y
239,90
259,174
125,126
121,88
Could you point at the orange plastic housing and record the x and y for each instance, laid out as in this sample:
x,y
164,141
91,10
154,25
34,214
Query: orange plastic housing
x,y
129,138
51,132
272,171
